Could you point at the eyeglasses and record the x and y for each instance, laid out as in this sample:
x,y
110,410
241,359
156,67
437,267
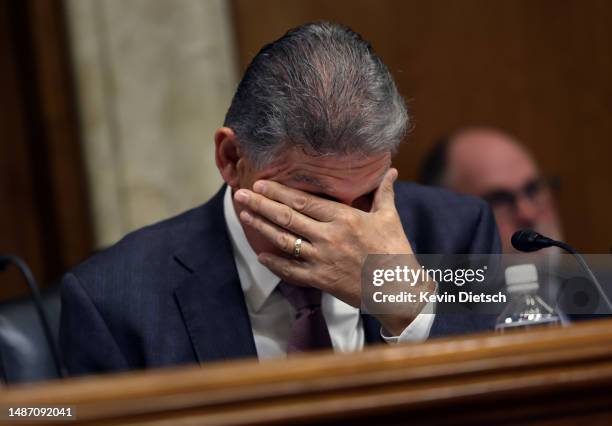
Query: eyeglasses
x,y
535,190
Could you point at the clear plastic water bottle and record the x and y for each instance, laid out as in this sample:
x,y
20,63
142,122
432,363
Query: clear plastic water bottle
x,y
526,309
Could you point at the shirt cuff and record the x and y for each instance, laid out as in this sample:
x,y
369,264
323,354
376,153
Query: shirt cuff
x,y
417,331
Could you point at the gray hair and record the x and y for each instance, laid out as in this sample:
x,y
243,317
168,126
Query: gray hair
x,y
320,87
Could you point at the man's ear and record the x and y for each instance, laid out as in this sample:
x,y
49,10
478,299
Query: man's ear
x,y
227,155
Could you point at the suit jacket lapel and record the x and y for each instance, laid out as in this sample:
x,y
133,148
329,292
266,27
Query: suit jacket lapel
x,y
371,329
211,298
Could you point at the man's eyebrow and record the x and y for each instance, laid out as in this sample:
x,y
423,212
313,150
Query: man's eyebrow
x,y
309,179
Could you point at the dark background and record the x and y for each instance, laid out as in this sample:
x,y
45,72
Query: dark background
x,y
44,213
539,69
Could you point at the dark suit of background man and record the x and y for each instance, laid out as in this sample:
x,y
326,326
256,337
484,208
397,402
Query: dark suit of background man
x,y
305,152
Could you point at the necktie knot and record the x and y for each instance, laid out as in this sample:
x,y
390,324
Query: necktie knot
x,y
309,330
301,298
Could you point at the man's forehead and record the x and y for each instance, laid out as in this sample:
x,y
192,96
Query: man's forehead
x,y
329,174
337,185
478,166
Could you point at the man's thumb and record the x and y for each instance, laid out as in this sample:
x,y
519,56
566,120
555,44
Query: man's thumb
x,y
385,195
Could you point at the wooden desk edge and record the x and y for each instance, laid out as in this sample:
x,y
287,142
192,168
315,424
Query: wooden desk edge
x,y
314,386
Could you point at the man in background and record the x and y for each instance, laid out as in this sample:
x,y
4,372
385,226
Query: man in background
x,y
493,165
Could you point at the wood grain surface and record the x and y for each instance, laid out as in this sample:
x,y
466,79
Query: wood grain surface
x,y
554,375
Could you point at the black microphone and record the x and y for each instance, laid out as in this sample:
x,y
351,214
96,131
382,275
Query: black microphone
x,y
5,260
528,240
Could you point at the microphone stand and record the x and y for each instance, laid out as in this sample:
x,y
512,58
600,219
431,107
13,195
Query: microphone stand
x,y
27,273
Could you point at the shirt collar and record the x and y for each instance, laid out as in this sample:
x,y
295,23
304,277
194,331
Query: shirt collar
x,y
257,281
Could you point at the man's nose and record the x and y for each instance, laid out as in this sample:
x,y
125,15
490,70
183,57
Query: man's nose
x,y
526,210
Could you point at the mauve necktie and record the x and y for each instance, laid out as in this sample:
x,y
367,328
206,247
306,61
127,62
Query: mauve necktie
x,y
309,330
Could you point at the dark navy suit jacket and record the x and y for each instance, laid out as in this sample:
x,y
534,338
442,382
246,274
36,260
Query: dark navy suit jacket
x,y
169,293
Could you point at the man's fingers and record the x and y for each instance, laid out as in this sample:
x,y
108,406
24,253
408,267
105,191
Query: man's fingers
x,y
385,195
282,239
280,214
310,205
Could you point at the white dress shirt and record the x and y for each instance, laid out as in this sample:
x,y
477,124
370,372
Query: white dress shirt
x,y
272,315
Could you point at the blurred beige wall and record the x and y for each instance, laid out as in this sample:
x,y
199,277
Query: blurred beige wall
x,y
154,79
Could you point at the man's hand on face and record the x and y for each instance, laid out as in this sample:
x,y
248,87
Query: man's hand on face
x,y
335,238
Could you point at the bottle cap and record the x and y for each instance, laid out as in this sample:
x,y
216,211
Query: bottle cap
x,y
521,278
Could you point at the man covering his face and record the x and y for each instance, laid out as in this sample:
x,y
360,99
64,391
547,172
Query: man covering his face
x,y
271,265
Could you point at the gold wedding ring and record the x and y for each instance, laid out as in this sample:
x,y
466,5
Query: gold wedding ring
x,y
297,248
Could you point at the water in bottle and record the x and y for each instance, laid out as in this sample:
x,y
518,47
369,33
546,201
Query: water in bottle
x,y
525,309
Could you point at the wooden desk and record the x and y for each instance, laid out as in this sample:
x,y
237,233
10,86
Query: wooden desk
x,y
546,376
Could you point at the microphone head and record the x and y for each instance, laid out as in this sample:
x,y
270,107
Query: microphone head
x,y
528,240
